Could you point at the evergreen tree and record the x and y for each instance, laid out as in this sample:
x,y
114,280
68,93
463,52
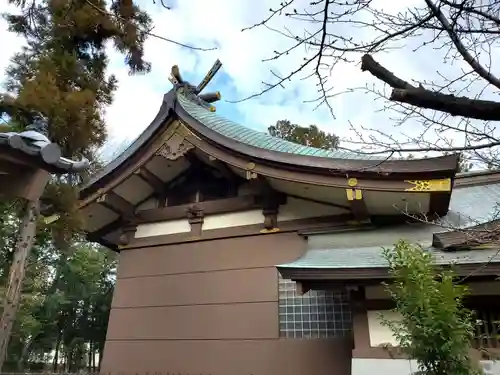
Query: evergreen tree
x,y
59,79
308,136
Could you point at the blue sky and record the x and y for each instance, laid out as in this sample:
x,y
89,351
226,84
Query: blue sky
x,y
218,23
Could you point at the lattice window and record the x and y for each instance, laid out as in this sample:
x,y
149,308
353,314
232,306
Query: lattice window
x,y
487,328
316,314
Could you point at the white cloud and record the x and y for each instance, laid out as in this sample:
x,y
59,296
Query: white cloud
x,y
218,23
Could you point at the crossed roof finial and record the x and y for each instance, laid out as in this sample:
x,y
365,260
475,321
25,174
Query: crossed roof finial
x,y
194,92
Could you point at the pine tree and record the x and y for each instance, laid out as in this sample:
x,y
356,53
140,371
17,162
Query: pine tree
x,y
60,79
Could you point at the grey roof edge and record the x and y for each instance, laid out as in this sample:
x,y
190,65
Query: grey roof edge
x,y
344,258
45,154
484,177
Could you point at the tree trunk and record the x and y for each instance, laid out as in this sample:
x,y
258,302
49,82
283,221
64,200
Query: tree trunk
x,y
55,361
24,355
16,275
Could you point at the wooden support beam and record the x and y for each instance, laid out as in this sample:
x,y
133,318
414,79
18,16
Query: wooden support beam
x,y
117,204
209,207
271,201
356,202
105,230
151,179
28,184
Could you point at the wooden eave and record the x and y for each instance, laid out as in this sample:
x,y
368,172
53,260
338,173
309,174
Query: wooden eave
x,y
474,236
236,158
362,274
469,179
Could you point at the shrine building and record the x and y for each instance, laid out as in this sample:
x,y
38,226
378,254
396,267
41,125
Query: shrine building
x,y
241,253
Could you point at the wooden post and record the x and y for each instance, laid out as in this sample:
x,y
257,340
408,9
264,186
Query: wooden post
x,y
16,274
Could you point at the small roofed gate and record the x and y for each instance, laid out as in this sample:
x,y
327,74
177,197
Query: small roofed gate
x,y
27,160
201,210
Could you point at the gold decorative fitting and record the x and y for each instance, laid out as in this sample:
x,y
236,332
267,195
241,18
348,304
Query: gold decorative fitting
x,y
101,198
250,175
430,185
352,182
218,95
213,109
273,230
251,166
354,194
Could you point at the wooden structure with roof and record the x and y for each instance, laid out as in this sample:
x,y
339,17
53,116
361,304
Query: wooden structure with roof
x,y
27,160
204,211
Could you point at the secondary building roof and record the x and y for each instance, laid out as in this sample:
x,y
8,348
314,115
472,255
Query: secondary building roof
x,y
470,205
36,148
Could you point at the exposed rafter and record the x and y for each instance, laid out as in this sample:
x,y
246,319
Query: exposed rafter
x,y
117,204
151,179
210,207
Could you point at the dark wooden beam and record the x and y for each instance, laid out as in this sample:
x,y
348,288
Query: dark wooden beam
x,y
117,204
151,179
106,229
209,207
28,184
271,201
356,201
359,210
344,207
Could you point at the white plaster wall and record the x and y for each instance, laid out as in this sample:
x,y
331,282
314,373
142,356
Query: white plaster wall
x,y
233,219
295,209
162,228
301,209
380,334
371,366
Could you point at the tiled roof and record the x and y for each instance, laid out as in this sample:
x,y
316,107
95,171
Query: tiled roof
x,y
259,139
43,152
473,205
469,206
372,257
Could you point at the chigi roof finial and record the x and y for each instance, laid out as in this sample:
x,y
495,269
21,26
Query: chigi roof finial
x,y
194,92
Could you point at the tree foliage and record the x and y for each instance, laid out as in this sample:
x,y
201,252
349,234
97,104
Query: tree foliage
x,y
308,136
60,80
65,302
436,329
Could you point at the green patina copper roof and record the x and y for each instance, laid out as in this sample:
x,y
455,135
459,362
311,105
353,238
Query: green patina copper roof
x,y
259,139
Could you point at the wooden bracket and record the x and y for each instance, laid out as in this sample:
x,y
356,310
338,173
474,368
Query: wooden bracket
x,y
128,234
356,201
195,216
117,204
151,179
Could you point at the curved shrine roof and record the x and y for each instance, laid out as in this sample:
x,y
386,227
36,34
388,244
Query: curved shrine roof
x,y
184,102
251,137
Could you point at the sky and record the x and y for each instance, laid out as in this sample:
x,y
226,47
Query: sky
x,y
218,24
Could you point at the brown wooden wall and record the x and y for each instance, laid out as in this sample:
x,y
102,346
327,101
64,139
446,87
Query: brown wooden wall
x,y
211,308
